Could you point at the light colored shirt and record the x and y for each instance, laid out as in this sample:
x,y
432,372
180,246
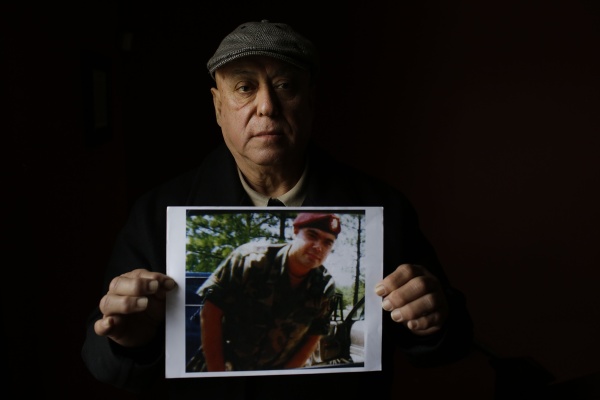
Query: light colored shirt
x,y
293,198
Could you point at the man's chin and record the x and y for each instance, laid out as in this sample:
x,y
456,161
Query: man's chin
x,y
312,262
271,157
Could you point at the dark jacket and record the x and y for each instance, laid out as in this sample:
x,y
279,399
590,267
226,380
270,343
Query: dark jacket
x,y
142,244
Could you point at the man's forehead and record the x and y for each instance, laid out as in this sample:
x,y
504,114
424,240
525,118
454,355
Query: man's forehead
x,y
320,232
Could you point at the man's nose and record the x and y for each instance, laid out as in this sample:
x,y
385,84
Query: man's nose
x,y
318,245
267,102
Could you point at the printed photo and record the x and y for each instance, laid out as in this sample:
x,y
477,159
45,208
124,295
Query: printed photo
x,y
275,290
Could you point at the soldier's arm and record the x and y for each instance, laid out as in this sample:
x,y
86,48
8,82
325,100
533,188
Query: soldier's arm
x,y
301,356
212,336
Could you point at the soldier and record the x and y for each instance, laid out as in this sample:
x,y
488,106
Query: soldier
x,y
267,306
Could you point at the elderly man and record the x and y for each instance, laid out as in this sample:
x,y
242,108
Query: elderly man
x,y
264,100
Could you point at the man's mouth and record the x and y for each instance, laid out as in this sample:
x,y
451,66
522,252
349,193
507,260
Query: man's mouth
x,y
314,256
268,133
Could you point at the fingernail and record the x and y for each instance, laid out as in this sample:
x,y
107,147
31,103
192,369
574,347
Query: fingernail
x,y
396,316
153,286
412,324
169,284
142,302
380,290
387,305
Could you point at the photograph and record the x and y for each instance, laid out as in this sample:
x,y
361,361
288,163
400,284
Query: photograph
x,y
273,291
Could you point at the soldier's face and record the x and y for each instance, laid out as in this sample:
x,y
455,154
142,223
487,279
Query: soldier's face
x,y
311,247
265,109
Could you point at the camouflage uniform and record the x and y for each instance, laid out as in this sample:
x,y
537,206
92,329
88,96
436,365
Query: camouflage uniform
x,y
265,320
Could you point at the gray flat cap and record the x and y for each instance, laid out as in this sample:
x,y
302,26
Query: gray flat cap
x,y
265,38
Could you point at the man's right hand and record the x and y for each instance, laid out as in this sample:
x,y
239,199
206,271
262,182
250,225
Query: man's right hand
x,y
134,307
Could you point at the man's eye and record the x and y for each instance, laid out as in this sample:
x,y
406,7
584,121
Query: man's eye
x,y
284,85
243,88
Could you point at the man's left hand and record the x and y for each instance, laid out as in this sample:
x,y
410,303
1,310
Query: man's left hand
x,y
415,298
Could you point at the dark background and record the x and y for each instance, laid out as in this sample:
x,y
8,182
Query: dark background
x,y
486,115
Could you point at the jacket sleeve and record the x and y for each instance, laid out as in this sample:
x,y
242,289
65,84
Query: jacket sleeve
x,y
140,244
134,370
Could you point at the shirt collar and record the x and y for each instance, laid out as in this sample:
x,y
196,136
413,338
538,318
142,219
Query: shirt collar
x,y
293,198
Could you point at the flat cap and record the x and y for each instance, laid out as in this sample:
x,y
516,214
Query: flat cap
x,y
326,222
265,38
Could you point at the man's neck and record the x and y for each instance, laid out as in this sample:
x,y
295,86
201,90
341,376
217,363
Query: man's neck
x,y
271,181
296,273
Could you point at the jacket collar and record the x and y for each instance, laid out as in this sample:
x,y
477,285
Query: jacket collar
x,y
217,182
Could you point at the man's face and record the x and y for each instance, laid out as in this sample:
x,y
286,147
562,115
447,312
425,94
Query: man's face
x,y
311,246
265,109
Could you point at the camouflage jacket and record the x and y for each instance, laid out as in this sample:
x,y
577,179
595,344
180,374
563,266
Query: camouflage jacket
x,y
265,320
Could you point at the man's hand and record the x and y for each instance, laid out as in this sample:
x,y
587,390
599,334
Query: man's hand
x,y
415,298
134,307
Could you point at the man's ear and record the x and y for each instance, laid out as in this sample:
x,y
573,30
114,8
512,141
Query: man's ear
x,y
217,103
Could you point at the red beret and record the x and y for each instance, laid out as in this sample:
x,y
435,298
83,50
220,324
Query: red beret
x,y
326,222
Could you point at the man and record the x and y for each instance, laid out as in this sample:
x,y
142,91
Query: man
x,y
264,99
269,304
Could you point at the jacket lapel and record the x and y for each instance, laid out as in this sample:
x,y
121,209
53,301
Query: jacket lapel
x,y
217,182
